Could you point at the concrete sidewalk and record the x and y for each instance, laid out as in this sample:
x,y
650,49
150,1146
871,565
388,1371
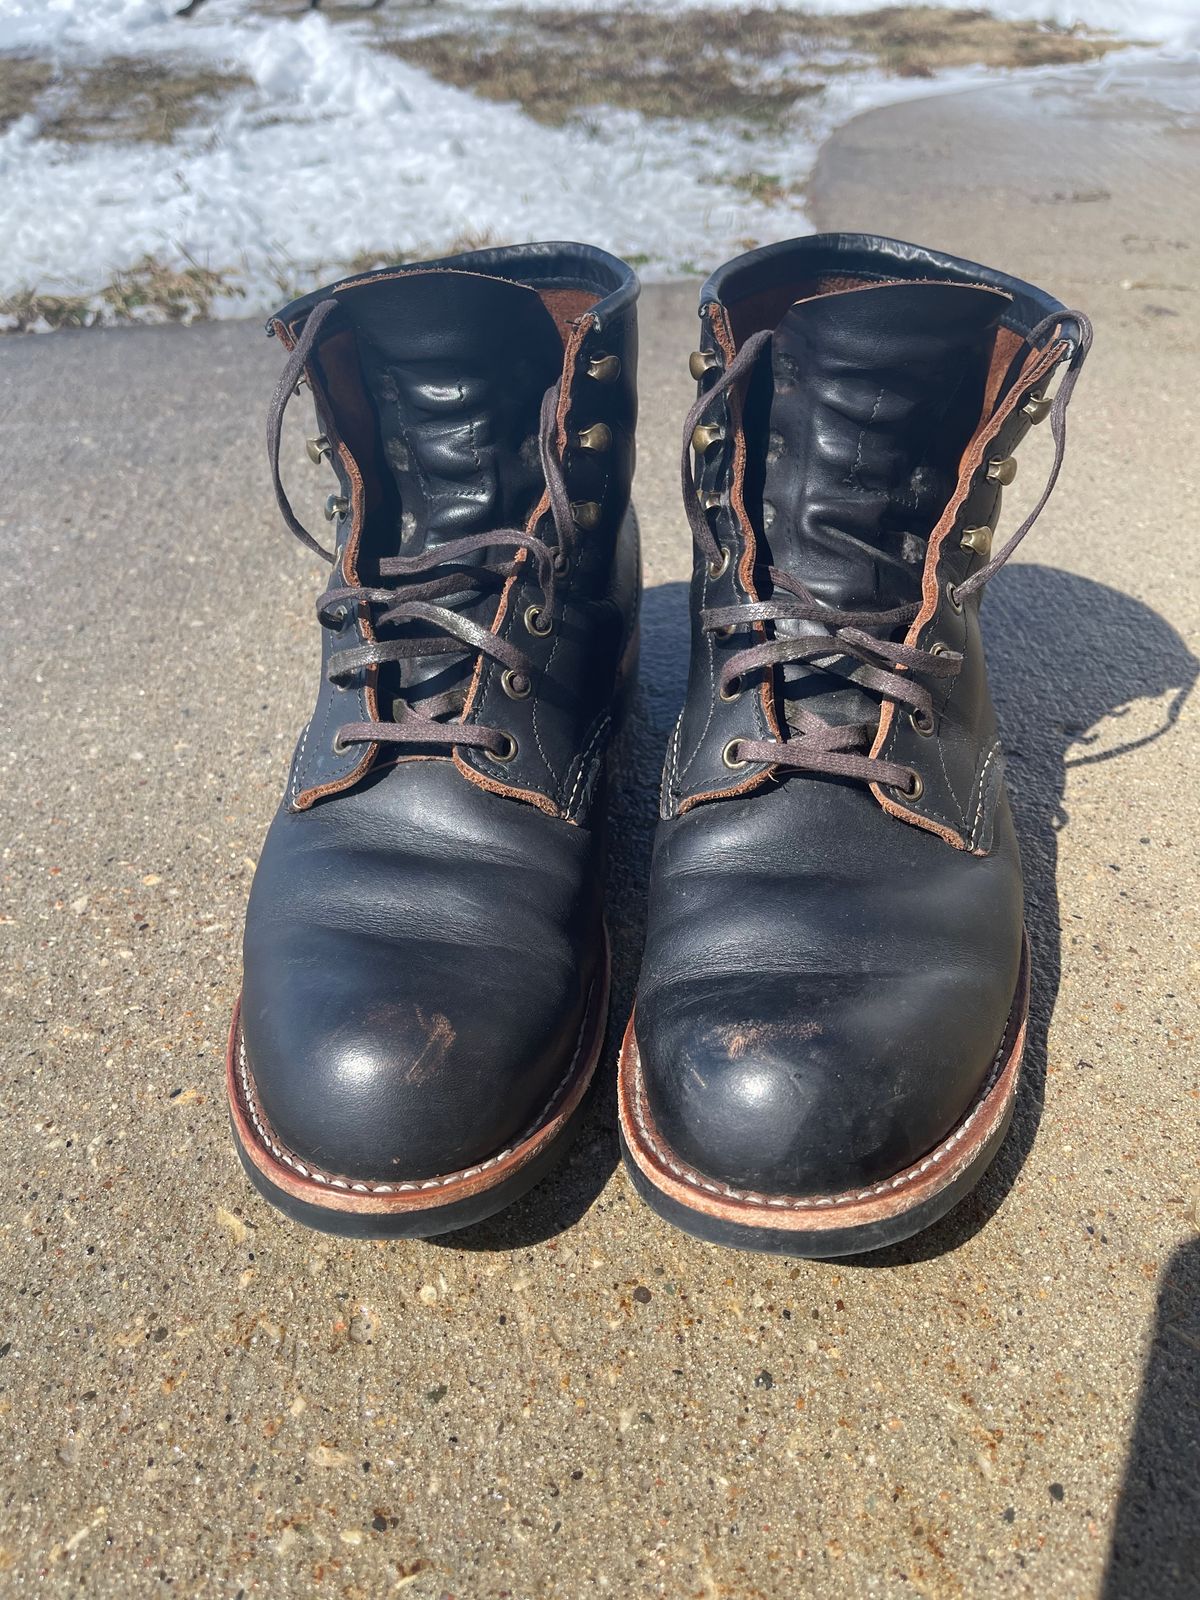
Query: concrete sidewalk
x,y
200,1399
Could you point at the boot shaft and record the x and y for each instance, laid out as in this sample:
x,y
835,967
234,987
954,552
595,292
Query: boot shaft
x,y
862,459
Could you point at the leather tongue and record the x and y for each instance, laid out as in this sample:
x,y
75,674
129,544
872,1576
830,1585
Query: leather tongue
x,y
875,394
456,364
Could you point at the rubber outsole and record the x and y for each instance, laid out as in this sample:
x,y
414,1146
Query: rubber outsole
x,y
823,1226
417,1209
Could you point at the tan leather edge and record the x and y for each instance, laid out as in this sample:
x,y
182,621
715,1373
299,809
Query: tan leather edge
x,y
1035,368
532,796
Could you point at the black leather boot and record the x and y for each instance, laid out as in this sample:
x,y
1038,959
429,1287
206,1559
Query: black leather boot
x,y
830,1016
426,969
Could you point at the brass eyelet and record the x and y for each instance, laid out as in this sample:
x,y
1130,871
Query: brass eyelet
x,y
728,757
507,751
718,569
516,685
952,595
597,438
1002,469
604,368
537,622
339,747
921,724
915,787
318,449
732,689
937,648
1037,407
705,435
586,513
701,362
336,506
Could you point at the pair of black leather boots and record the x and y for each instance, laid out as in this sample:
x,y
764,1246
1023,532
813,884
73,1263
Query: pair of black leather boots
x,y
828,1029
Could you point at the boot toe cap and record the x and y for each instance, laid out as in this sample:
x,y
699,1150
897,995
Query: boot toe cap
x,y
417,967
412,1076
812,1090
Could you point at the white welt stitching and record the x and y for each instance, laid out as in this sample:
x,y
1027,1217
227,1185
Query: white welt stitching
x,y
672,776
408,1187
785,1202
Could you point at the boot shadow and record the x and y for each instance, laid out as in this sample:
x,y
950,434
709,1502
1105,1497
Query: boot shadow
x,y
1155,1548
562,1197
1068,660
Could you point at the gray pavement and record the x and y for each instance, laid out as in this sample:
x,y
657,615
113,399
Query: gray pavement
x,y
199,1399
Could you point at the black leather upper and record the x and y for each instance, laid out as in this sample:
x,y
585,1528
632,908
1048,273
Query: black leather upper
x,y
417,962
432,376
823,987
425,928
826,981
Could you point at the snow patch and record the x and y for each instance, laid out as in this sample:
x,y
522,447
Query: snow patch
x,y
339,150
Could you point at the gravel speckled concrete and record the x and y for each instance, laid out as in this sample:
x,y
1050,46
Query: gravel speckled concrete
x,y
199,1399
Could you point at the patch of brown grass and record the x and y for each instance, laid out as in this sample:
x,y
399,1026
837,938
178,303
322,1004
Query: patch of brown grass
x,y
132,100
712,63
23,79
766,187
916,41
556,64
151,291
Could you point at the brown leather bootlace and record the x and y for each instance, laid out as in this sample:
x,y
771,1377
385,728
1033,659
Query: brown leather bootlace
x,y
416,583
881,665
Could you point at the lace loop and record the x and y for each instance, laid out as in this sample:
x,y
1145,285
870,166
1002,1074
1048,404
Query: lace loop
x,y
293,371
1058,432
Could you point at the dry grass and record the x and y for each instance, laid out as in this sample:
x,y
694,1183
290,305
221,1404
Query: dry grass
x,y
555,64
23,80
916,41
715,63
151,291
155,291
768,188
126,100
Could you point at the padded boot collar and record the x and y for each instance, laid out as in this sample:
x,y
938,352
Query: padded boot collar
x,y
774,276
551,266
